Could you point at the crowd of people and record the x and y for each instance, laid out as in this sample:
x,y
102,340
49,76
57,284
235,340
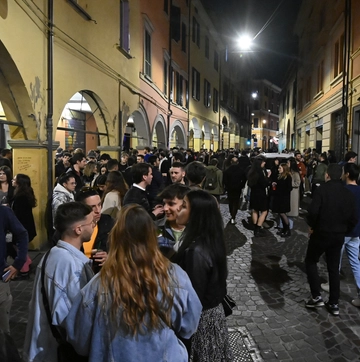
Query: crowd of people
x,y
138,268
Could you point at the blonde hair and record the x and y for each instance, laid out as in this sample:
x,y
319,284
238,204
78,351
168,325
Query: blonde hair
x,y
134,274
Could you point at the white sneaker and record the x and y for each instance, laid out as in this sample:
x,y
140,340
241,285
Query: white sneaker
x,y
325,286
356,302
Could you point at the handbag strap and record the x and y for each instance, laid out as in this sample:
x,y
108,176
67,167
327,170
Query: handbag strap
x,y
54,330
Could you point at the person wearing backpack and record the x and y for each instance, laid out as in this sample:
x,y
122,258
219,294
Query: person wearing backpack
x,y
234,179
214,179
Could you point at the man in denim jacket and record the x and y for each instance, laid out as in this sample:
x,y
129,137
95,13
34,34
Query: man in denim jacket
x,y
67,271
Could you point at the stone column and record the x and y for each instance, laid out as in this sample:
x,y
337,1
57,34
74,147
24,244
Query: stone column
x,y
113,151
30,158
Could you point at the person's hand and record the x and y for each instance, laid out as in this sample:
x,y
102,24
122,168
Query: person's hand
x,y
12,274
158,209
268,173
100,257
310,232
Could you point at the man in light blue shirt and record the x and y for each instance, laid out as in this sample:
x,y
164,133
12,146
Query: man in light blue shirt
x,y
67,271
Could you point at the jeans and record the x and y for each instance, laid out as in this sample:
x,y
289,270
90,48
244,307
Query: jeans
x,y
331,245
5,305
351,246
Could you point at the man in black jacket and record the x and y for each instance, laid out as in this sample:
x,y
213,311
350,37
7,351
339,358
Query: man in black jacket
x,y
332,213
234,179
142,177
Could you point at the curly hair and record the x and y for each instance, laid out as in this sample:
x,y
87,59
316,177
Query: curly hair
x,y
134,274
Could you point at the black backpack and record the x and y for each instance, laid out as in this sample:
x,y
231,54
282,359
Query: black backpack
x,y
211,182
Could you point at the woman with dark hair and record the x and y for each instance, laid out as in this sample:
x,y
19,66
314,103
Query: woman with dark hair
x,y
135,308
6,188
295,192
23,202
115,190
281,190
331,156
202,255
258,181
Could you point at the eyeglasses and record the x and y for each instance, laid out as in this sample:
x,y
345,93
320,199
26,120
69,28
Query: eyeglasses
x,y
93,222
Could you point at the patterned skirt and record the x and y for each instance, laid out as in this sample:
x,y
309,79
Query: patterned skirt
x,y
211,343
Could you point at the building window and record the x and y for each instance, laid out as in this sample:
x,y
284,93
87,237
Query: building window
x,y
196,32
294,95
300,99
207,47
308,91
147,57
175,18
339,56
187,93
256,122
320,77
166,6
195,84
166,70
124,25
172,80
287,101
216,60
183,37
179,89
216,100
207,94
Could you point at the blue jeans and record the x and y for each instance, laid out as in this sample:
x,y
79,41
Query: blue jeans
x,y
351,246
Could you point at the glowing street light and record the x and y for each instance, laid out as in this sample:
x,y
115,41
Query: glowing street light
x,y
254,95
245,42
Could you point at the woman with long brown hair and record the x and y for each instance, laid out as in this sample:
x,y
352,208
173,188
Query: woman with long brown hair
x,y
138,305
115,190
281,190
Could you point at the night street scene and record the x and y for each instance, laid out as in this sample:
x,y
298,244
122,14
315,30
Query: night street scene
x,y
179,180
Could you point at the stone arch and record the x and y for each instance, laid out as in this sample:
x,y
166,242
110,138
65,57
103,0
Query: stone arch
x,y
207,131
84,122
159,132
22,111
178,135
141,124
194,125
215,133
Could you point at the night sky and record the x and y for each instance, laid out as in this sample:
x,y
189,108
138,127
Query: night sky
x,y
274,47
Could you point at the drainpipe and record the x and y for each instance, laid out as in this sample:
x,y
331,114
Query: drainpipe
x,y
170,83
50,96
346,75
189,74
121,134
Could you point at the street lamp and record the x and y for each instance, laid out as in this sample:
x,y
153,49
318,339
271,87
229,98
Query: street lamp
x,y
245,42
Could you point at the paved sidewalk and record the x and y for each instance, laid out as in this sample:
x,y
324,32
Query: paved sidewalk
x,y
267,278
268,282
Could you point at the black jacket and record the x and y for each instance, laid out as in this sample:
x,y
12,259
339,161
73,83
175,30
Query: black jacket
x,y
234,178
204,275
137,196
332,210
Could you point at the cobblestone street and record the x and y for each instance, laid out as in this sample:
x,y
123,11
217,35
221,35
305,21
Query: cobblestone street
x,y
268,282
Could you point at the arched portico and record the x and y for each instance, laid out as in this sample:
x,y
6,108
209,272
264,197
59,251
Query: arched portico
x,y
84,123
159,132
195,136
178,135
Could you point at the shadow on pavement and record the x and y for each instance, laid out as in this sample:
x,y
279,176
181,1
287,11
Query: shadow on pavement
x,y
233,238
